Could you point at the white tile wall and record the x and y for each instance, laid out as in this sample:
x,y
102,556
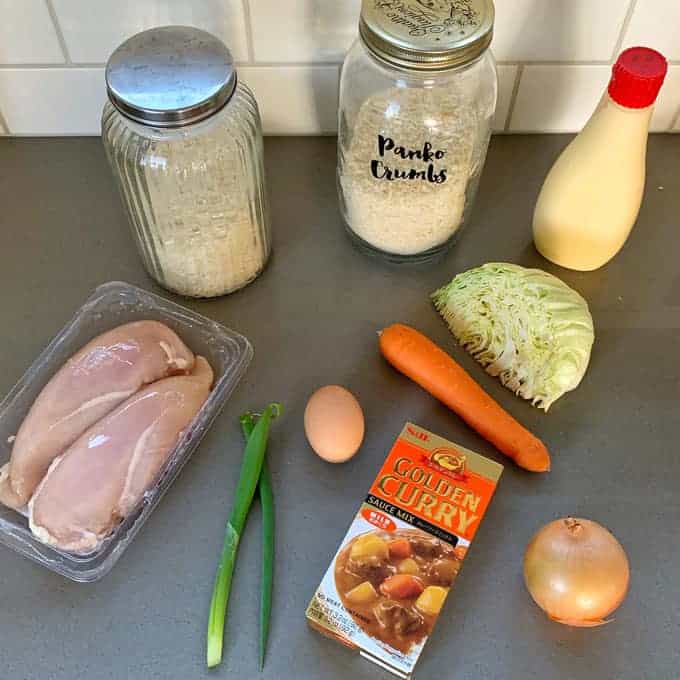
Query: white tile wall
x,y
555,57
306,30
557,98
558,30
27,34
94,28
507,75
295,99
658,20
667,105
566,96
52,101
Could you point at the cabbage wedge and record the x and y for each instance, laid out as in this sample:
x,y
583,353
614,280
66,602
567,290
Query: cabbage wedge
x,y
524,326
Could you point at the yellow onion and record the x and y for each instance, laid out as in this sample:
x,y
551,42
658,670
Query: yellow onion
x,y
576,571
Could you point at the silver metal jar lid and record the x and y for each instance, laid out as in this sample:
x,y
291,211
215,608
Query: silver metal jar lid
x,y
170,76
428,35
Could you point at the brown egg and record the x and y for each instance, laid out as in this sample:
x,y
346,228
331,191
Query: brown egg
x,y
334,423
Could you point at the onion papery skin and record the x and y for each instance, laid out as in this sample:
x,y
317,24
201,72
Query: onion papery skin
x,y
576,571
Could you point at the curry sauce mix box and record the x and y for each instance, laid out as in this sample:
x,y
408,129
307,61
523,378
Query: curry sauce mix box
x,y
388,581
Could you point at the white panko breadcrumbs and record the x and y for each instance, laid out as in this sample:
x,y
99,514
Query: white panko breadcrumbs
x,y
207,240
408,216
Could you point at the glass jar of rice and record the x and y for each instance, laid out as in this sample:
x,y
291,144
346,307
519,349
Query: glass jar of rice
x,y
417,96
184,140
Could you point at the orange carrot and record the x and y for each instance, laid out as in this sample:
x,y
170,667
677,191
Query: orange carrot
x,y
420,359
400,548
402,586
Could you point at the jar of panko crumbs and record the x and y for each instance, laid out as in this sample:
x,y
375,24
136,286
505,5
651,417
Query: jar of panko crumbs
x,y
417,96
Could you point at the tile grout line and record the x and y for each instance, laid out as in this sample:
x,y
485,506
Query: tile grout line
x,y
89,133
250,41
548,62
4,128
675,121
58,31
541,131
291,64
74,66
71,66
513,97
624,29
316,133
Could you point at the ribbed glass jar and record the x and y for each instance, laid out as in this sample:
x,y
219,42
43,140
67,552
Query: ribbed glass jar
x,y
195,196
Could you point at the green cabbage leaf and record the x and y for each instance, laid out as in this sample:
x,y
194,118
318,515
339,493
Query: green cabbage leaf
x,y
523,325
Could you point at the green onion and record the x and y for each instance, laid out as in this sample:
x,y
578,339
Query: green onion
x,y
245,490
267,503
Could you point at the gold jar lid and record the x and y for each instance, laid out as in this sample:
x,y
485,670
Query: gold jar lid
x,y
427,35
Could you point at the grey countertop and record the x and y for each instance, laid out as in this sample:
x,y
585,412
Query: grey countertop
x,y
312,318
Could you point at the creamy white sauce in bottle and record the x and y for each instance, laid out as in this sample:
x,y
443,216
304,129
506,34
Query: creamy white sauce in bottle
x,y
592,195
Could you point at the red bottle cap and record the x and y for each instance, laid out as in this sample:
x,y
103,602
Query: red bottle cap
x,y
637,77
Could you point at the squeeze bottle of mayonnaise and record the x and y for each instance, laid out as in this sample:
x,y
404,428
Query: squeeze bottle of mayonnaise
x,y
592,195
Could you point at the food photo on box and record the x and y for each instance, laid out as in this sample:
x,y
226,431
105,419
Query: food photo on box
x,y
309,370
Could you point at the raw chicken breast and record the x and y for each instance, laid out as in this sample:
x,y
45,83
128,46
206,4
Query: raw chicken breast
x,y
99,479
89,385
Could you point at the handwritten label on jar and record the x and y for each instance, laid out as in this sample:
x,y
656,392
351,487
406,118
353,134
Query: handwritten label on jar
x,y
388,148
